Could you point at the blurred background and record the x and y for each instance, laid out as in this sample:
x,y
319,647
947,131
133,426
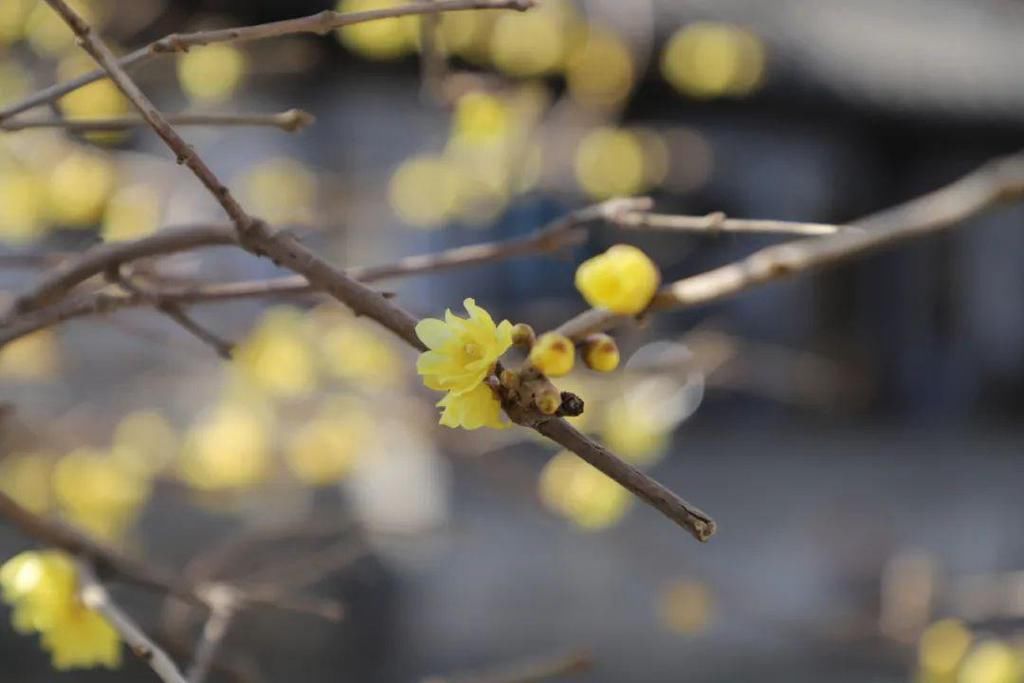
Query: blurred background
x,y
856,433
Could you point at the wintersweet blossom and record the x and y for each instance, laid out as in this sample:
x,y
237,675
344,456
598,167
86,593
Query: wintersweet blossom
x,y
553,354
622,279
42,588
462,353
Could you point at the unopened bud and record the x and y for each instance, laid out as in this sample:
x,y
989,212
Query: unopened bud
x,y
553,354
523,335
510,379
601,353
548,401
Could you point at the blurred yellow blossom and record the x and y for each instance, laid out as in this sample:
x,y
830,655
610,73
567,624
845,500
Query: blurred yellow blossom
x,y
132,212
34,357
623,279
276,356
144,443
553,354
97,494
610,162
79,188
354,352
473,409
325,449
480,118
462,351
941,649
686,606
47,33
13,16
709,59
576,490
425,190
280,191
992,661
382,39
466,34
100,99
639,421
228,449
211,73
25,477
42,587
530,43
23,200
599,72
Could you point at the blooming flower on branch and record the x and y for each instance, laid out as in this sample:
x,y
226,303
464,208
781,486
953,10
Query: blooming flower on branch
x,y
42,587
462,353
474,409
622,279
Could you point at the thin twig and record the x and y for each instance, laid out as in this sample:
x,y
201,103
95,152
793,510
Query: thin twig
x,y
95,596
319,23
718,222
175,312
290,121
223,607
995,182
529,671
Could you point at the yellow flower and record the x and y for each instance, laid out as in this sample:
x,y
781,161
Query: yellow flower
x,y
576,490
623,280
462,351
96,493
42,587
553,354
476,408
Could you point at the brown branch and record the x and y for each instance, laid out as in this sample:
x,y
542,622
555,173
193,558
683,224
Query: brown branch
x,y
173,311
530,671
691,518
319,23
95,596
106,559
718,222
223,607
290,121
995,182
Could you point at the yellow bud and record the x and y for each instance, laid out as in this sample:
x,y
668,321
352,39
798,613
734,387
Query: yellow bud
x,y
509,379
623,280
548,401
601,353
553,354
523,335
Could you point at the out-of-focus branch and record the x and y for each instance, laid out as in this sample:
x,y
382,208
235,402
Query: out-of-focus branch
x,y
643,486
223,607
995,182
291,121
529,671
173,311
95,596
319,23
719,222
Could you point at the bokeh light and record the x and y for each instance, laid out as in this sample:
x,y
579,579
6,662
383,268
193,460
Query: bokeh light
x,y
383,39
212,73
708,59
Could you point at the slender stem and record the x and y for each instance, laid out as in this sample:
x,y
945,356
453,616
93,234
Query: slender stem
x,y
95,596
291,121
319,23
718,222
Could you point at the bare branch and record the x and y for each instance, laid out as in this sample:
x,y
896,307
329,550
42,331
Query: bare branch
x,y
290,121
718,222
95,596
223,607
691,518
319,23
995,182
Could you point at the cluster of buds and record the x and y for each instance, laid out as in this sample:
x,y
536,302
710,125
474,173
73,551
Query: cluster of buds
x,y
554,355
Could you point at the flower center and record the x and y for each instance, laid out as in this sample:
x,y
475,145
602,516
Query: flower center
x,y
473,351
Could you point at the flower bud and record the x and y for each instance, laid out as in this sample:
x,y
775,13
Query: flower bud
x,y
601,353
510,379
548,401
523,335
622,279
553,354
